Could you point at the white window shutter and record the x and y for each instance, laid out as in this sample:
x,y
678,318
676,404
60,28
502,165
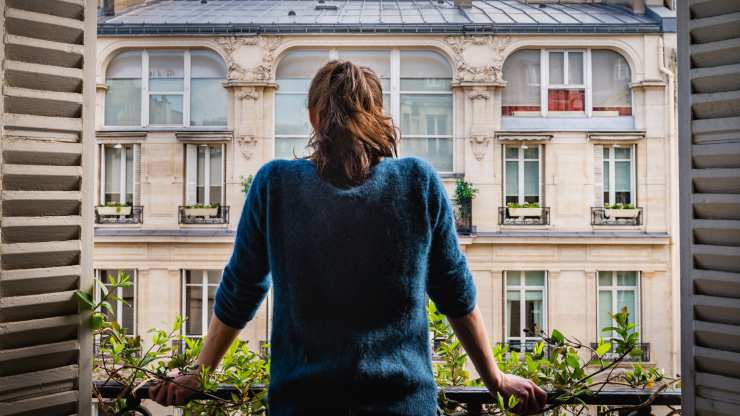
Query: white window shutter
x,y
709,165
45,338
137,174
191,172
598,175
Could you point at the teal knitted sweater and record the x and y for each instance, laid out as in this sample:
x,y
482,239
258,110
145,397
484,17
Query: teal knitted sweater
x,y
351,270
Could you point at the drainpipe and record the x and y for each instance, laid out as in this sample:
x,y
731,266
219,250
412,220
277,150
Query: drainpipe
x,y
675,236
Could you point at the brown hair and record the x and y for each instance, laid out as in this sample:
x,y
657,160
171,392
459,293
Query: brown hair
x,y
353,133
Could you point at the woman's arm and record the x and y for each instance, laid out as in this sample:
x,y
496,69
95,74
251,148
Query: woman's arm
x,y
178,392
471,332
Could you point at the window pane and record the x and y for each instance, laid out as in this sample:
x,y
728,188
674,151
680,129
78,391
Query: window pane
x,y
626,299
605,278
290,147
606,181
512,152
165,109
126,65
532,152
436,151
200,196
605,308
193,277
206,64
296,69
166,71
378,61
127,320
513,278
575,68
123,102
214,276
622,174
424,71
522,74
566,99
512,179
627,278
534,278
533,310
556,68
216,173
208,102
291,116
513,318
129,174
112,173
426,114
194,310
610,79
531,179
622,153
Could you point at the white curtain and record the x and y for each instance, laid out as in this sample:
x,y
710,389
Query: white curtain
x,y
610,79
208,97
522,74
123,97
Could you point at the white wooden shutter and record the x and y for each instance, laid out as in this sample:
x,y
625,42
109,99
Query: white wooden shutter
x,y
46,203
137,174
598,175
191,173
709,160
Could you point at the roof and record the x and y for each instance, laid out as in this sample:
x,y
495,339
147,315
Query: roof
x,y
163,17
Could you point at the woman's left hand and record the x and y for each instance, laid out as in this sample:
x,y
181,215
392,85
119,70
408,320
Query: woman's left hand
x,y
176,392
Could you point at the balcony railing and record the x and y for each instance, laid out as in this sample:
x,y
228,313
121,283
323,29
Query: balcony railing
x,y
607,216
216,215
119,215
612,355
524,216
473,398
464,216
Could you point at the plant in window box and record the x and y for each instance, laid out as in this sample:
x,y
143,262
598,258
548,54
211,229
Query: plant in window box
x,y
465,192
246,183
201,210
527,209
621,211
113,209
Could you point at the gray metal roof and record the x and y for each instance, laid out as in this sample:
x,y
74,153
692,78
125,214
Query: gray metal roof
x,y
395,16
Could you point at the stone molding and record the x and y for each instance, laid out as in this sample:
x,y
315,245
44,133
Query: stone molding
x,y
523,137
261,72
489,73
247,145
479,145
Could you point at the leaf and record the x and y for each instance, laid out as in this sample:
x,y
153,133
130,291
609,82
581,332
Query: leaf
x,y
603,348
97,321
85,300
557,336
572,361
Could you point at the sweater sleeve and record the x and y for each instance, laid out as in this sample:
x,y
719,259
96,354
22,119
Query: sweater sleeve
x,y
245,280
450,284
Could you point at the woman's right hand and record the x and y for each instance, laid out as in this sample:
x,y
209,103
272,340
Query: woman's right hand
x,y
176,392
531,397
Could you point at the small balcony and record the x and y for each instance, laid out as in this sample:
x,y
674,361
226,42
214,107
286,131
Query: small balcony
x,y
612,355
212,215
524,216
616,216
463,216
125,214
527,346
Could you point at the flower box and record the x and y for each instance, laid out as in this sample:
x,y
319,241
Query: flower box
x,y
622,213
111,211
525,212
201,212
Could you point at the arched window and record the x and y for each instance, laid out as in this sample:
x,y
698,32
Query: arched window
x,y
166,88
417,95
566,82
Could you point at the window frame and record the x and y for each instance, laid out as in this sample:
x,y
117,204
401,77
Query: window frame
x,y
206,174
394,94
612,173
118,305
614,288
185,94
520,171
123,172
523,288
204,284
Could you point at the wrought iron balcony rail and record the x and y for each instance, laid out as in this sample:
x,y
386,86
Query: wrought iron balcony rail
x,y
472,398
123,215
608,216
217,215
612,355
524,347
463,216
535,216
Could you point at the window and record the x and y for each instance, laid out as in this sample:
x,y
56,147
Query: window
x,y
416,93
204,172
198,296
166,88
567,82
522,174
124,309
618,290
619,178
525,300
118,171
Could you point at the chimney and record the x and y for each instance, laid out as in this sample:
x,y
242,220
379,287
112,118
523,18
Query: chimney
x,y
638,7
464,4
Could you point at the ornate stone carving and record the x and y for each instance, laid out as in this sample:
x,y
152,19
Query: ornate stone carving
x,y
479,144
248,94
480,95
247,144
482,73
261,72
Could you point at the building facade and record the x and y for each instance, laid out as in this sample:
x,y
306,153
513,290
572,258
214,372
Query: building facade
x,y
561,115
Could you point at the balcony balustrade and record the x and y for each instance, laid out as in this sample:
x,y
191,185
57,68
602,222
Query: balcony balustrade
x,y
119,215
214,215
609,216
524,216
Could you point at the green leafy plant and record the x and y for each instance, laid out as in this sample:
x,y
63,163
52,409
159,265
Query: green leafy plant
x,y
619,206
211,205
464,191
246,183
524,205
118,205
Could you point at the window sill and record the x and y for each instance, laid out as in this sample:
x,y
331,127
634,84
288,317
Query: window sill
x,y
564,123
143,130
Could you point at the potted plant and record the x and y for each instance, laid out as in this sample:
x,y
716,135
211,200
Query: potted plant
x,y
201,210
621,211
527,209
113,208
465,192
246,183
